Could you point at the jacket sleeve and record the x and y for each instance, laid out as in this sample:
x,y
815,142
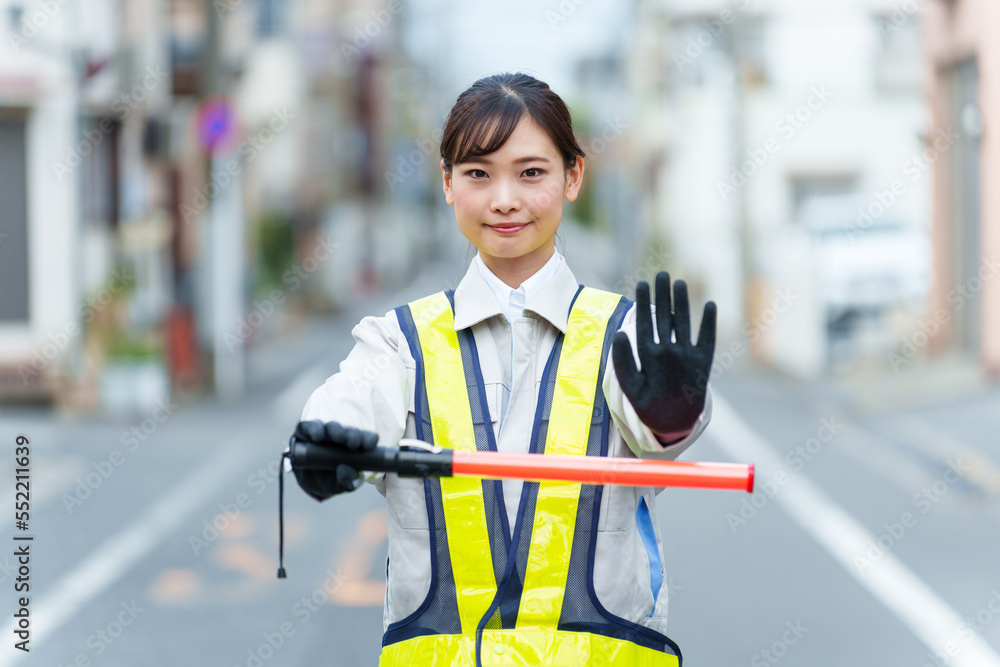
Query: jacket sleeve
x,y
640,439
372,389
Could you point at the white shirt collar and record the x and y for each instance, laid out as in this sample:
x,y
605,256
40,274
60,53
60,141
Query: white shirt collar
x,y
512,301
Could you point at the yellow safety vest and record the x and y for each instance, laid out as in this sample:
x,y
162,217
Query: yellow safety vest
x,y
527,599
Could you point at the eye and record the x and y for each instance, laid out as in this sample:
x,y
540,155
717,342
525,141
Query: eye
x,y
476,173
533,172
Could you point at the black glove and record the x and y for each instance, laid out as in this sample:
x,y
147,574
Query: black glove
x,y
668,393
321,484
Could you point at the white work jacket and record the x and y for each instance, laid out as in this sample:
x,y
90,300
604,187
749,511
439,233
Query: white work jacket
x,y
374,390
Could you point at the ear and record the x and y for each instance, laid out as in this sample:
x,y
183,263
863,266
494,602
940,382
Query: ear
x,y
574,179
449,195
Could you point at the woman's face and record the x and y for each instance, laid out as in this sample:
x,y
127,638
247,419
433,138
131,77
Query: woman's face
x,y
509,203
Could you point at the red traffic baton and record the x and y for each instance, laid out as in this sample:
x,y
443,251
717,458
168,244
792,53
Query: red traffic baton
x,y
603,470
416,458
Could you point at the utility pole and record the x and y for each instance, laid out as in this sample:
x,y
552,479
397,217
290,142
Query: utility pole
x,y
224,232
739,151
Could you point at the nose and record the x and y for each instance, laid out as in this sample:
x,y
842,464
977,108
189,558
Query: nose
x,y
505,198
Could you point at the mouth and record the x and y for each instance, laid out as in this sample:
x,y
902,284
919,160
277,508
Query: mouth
x,y
508,227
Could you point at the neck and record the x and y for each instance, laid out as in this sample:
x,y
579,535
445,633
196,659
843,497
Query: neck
x,y
515,270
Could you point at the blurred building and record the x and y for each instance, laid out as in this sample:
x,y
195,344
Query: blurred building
x,y
753,110
75,86
963,58
176,176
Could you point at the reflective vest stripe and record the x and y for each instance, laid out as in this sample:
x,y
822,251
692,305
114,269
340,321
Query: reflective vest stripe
x,y
558,515
524,647
568,433
451,422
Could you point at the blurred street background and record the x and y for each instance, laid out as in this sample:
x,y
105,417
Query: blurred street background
x,y
200,198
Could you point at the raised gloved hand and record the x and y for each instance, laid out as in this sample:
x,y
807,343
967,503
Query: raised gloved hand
x,y
322,484
668,394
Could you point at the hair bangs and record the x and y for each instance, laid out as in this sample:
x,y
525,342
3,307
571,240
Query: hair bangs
x,y
486,114
491,128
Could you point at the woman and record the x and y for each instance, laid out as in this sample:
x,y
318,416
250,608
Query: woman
x,y
515,359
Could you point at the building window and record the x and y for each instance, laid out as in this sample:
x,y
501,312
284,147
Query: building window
x,y
699,44
804,188
269,17
704,42
749,49
99,176
899,60
14,306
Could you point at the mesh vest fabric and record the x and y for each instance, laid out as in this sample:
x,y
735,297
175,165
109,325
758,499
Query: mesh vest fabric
x,y
542,606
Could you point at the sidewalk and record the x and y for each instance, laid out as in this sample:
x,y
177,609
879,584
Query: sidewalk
x,y
921,384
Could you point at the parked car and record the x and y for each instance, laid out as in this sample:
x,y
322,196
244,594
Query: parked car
x,y
864,263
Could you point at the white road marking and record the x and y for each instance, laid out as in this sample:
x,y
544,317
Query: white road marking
x,y
914,603
119,553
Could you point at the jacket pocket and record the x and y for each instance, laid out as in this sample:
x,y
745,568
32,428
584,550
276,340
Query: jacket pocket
x,y
618,507
406,502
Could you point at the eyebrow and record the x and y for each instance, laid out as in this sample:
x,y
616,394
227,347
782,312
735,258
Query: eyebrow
x,y
520,160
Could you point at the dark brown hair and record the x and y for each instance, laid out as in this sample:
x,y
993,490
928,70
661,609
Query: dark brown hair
x,y
485,115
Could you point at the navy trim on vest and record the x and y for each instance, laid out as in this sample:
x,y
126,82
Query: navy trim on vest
x,y
408,627
493,501
508,595
616,626
492,488
509,590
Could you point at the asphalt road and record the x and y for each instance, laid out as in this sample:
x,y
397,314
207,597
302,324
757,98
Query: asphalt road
x,y
872,538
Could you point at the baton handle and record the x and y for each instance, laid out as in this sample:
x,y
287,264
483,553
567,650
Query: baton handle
x,y
405,462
